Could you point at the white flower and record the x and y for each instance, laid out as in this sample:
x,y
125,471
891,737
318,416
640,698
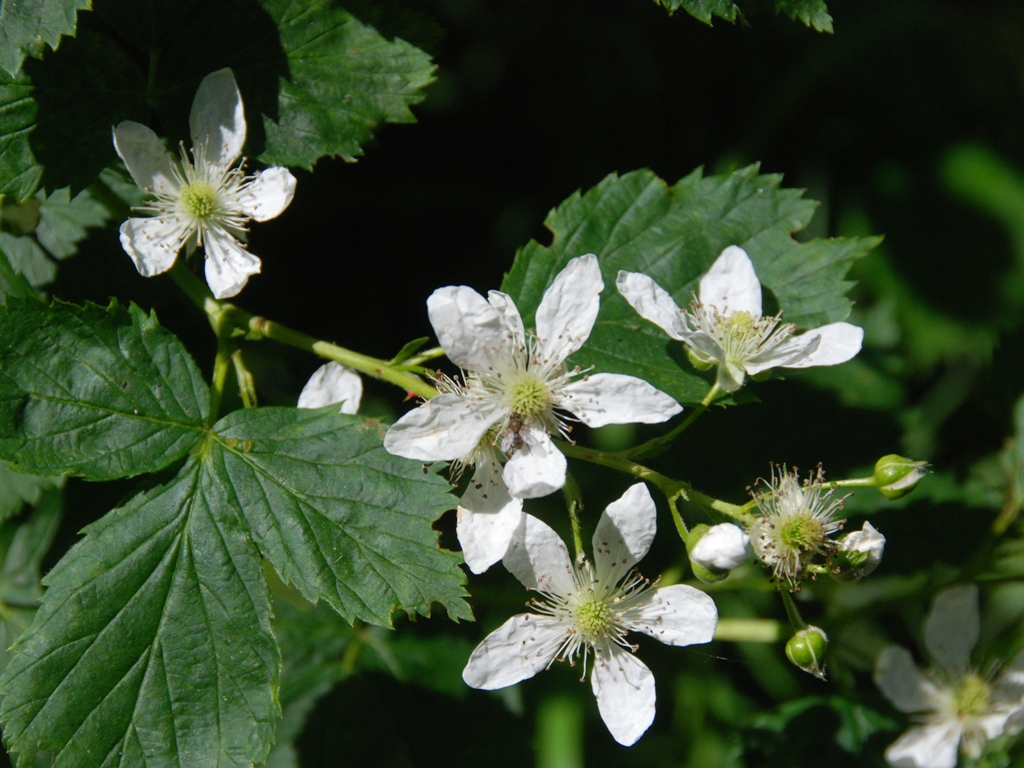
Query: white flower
x,y
722,548
590,608
204,201
955,704
794,526
333,383
517,391
867,540
725,327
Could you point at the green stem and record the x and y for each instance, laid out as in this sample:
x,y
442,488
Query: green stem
x,y
574,503
246,384
661,444
795,619
220,373
681,528
223,313
749,630
671,488
417,360
853,482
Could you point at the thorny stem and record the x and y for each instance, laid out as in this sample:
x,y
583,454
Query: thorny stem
x,y
791,611
222,314
661,444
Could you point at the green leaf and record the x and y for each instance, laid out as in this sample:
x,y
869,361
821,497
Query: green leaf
x,y
17,490
320,77
63,220
12,282
813,13
312,642
26,25
55,118
153,643
92,391
339,517
638,223
22,548
28,259
703,9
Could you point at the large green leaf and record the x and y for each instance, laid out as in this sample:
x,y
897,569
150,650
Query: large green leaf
x,y
93,391
637,222
26,26
12,281
153,644
812,13
703,9
339,517
321,78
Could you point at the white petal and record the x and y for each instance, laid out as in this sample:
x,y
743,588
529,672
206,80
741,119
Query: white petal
x,y
504,305
731,284
446,427
153,244
468,327
789,354
993,725
218,118
652,302
228,264
624,688
614,398
839,342
147,161
270,193
722,547
676,615
333,383
869,540
537,469
569,308
518,649
926,746
1010,683
487,517
903,683
624,532
952,627
538,558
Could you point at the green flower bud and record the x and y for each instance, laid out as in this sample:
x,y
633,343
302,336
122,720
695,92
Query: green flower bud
x,y
896,476
806,649
700,365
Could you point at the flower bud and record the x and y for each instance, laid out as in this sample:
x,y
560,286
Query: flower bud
x,y
806,649
858,554
721,547
896,476
702,572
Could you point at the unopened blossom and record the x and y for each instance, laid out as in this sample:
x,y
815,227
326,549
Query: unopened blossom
x,y
722,547
588,608
953,702
859,553
516,391
333,383
725,327
203,200
795,525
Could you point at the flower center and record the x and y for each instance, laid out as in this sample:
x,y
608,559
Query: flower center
x,y
971,696
199,198
593,618
739,324
528,396
803,533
